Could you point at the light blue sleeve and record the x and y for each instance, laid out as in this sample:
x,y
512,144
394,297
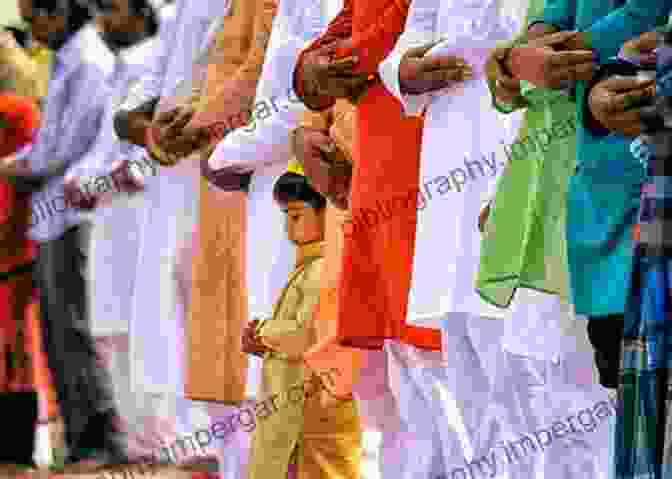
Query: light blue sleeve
x,y
561,13
632,19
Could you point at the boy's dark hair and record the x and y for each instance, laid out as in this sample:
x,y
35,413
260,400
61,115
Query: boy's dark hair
x,y
145,10
142,8
295,187
79,12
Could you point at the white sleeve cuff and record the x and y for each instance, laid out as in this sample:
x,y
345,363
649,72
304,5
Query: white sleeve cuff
x,y
389,73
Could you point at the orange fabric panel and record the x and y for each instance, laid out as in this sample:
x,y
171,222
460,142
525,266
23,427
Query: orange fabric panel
x,y
216,364
379,243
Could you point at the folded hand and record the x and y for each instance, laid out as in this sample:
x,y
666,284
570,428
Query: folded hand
x,y
326,75
546,62
616,103
251,342
420,74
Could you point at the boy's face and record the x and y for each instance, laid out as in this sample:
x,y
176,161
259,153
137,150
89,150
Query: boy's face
x,y
119,25
303,223
51,28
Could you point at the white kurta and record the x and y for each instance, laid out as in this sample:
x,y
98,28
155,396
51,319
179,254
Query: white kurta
x,y
114,243
462,155
500,394
459,164
78,94
263,147
170,213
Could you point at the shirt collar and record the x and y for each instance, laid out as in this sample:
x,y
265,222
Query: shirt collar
x,y
307,251
70,53
127,55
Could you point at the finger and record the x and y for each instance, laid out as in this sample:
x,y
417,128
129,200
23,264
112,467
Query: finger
x,y
557,59
626,101
444,78
505,95
627,124
342,87
555,38
167,116
421,51
179,122
644,43
500,53
584,71
442,62
571,73
508,83
620,84
344,67
626,118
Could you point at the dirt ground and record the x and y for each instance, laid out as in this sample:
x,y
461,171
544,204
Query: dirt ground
x,y
167,472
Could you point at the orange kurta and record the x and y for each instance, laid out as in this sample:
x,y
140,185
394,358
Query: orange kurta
x,y
217,367
378,250
23,364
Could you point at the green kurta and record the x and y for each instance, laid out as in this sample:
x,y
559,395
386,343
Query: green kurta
x,y
524,241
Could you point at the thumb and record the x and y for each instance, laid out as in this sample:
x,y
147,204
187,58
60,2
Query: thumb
x,y
555,38
621,84
421,51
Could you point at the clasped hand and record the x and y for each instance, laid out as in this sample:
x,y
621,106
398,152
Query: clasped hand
x,y
326,76
251,342
324,164
173,138
421,74
552,60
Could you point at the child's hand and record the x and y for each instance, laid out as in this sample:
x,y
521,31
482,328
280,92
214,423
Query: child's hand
x,y
251,341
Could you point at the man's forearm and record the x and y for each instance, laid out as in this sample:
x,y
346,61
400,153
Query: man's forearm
x,y
131,125
340,28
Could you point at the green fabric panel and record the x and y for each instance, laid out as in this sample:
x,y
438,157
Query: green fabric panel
x,y
524,243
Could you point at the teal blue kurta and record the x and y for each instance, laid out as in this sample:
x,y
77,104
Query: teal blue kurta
x,y
604,192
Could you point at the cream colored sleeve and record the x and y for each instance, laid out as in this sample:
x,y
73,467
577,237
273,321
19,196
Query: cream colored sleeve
x,y
296,341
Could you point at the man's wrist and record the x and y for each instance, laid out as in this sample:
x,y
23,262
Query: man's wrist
x,y
307,93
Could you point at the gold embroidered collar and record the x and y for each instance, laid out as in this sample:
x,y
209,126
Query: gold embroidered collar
x,y
304,252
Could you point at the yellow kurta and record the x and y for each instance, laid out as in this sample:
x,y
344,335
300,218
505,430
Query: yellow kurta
x,y
25,72
219,297
324,439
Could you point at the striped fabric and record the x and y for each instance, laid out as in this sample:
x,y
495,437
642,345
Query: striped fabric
x,y
644,425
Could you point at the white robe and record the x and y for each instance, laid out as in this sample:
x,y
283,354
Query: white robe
x,y
461,157
470,152
171,208
506,382
113,245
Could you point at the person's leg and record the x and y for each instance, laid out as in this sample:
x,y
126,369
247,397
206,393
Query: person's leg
x,y
20,410
606,335
82,386
467,380
426,415
231,447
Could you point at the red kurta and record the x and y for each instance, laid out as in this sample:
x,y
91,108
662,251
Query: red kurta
x,y
378,250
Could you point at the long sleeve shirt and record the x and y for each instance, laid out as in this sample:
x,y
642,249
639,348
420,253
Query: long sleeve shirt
x,y
73,110
265,140
130,67
149,85
604,193
386,27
